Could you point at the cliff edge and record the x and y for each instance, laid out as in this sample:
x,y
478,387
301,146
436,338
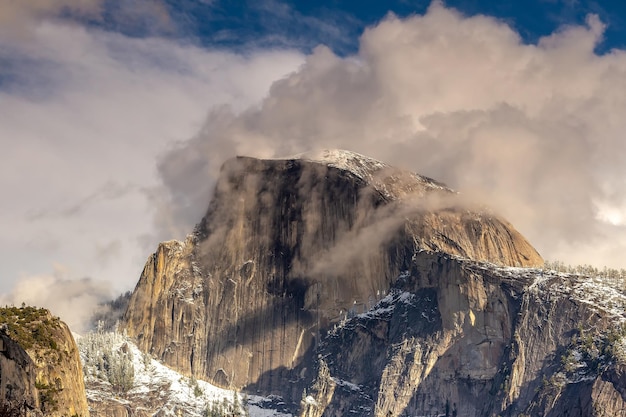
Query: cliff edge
x,y
40,369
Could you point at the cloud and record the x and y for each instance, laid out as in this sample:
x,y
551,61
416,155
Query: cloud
x,y
20,18
108,252
74,301
84,114
533,130
286,26
14,12
109,191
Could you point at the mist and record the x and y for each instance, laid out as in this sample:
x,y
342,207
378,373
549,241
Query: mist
x,y
76,301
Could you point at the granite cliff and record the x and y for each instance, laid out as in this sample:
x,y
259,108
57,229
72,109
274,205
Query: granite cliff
x,y
40,369
351,287
461,338
18,393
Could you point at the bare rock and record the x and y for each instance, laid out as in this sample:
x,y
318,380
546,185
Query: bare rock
x,y
286,249
17,378
46,356
459,338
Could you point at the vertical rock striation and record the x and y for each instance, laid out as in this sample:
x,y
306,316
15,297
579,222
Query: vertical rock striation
x,y
287,248
17,378
460,338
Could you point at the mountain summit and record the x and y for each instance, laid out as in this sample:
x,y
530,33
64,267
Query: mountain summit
x,y
334,272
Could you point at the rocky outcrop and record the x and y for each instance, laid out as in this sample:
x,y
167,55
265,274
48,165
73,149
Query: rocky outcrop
x,y
46,356
459,338
59,374
289,247
17,379
112,408
319,397
433,346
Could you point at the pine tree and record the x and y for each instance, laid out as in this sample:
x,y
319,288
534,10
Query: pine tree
x,y
245,404
103,362
236,406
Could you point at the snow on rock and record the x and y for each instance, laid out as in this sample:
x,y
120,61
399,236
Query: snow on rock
x,y
310,400
361,166
384,178
600,293
383,309
156,385
347,384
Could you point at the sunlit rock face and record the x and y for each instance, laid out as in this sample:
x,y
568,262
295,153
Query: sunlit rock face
x,y
460,338
40,369
60,373
290,247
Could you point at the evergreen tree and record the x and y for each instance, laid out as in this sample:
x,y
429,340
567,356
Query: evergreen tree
x,y
245,405
236,407
102,360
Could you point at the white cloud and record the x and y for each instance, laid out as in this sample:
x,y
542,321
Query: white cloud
x,y
75,301
20,18
19,14
83,116
536,131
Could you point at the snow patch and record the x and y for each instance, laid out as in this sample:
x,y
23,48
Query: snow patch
x,y
360,165
347,384
310,400
178,392
370,170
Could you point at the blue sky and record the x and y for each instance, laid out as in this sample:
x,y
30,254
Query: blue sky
x,y
116,115
338,24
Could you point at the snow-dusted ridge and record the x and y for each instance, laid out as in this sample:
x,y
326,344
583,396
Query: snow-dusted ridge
x,y
362,166
601,294
383,177
155,387
606,296
583,358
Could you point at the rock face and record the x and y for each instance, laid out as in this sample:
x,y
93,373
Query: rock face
x,y
17,378
352,288
288,248
46,356
458,338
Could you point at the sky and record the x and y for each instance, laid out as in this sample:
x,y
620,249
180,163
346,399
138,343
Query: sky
x,y
115,116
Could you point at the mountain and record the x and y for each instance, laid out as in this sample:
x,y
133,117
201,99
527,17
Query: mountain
x,y
347,286
40,370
